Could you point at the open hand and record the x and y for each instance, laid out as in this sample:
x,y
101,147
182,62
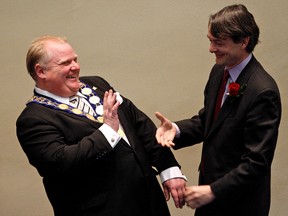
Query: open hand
x,y
166,131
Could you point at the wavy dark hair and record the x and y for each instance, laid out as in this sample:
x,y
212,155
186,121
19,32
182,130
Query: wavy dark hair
x,y
236,22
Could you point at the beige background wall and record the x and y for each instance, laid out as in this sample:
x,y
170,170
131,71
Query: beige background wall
x,y
153,51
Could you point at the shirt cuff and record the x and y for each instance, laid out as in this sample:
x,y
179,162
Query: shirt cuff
x,y
170,173
177,130
111,135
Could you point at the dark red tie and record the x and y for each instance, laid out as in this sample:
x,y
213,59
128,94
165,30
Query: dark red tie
x,y
220,93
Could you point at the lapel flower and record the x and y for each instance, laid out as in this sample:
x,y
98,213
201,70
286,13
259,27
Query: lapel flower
x,y
235,89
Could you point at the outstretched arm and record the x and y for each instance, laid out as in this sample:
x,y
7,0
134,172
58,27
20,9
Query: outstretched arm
x,y
165,132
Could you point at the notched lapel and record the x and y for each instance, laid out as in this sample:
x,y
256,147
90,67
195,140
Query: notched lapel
x,y
223,113
229,103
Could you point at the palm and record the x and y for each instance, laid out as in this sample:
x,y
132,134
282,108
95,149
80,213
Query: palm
x,y
165,132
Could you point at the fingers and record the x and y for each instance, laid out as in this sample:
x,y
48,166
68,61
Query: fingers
x,y
190,198
110,103
165,141
110,110
176,187
197,196
178,197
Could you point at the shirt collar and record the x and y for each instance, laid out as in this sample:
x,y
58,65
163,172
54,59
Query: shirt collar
x,y
60,99
235,71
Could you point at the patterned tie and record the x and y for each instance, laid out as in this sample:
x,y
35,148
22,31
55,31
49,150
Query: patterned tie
x,y
220,93
81,104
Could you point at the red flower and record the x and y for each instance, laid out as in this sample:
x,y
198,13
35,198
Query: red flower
x,y
235,89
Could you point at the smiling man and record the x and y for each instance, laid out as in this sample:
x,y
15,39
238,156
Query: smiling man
x,y
58,72
94,148
238,124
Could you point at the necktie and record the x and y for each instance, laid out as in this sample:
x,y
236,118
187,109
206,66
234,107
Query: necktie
x,y
81,104
220,93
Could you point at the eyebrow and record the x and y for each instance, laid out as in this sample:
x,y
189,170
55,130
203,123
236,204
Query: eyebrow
x,y
61,62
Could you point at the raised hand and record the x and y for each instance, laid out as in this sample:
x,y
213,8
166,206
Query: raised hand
x,y
165,132
110,110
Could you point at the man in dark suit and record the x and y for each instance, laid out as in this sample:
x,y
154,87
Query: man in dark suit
x,y
94,148
240,139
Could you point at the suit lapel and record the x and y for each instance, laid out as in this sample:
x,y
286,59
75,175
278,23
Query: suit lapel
x,y
210,107
228,104
126,126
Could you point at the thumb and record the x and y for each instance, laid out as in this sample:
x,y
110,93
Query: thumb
x,y
160,116
166,193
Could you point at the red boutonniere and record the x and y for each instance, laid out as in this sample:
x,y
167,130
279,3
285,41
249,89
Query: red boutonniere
x,y
235,89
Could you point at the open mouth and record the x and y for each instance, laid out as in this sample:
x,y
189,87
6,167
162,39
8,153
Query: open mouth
x,y
71,77
219,55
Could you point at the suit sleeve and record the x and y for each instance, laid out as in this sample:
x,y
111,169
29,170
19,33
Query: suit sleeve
x,y
143,134
141,130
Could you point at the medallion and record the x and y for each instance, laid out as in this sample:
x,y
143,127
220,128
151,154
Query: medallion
x,y
77,111
90,117
63,106
100,119
86,91
94,99
99,110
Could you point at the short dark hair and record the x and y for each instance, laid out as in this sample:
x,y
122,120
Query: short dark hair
x,y
236,22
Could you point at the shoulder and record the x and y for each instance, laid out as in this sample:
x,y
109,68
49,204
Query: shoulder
x,y
260,79
96,81
35,115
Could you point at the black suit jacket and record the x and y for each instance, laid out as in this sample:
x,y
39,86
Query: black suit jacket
x,y
238,147
82,173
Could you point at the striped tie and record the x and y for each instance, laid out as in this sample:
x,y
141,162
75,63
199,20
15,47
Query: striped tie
x,y
81,104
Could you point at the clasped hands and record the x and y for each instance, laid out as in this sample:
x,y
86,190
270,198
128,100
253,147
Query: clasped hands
x,y
194,196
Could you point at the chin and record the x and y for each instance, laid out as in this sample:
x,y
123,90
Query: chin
x,y
220,62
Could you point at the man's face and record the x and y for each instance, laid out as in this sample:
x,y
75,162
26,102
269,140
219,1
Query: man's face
x,y
226,51
61,74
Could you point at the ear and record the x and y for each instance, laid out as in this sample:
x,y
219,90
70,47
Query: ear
x,y
245,42
40,72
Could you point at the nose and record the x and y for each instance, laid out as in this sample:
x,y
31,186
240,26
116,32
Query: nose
x,y
75,65
212,48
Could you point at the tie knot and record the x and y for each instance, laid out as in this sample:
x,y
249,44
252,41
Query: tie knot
x,y
73,99
226,75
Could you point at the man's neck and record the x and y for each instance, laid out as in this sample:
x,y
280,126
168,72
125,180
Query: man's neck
x,y
51,95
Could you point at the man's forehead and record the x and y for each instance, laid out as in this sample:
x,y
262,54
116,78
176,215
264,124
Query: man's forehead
x,y
222,38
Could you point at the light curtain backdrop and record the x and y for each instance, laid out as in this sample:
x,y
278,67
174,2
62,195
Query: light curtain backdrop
x,y
155,52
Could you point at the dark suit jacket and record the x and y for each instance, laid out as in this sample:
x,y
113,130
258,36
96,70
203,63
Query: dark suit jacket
x,y
238,147
81,172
